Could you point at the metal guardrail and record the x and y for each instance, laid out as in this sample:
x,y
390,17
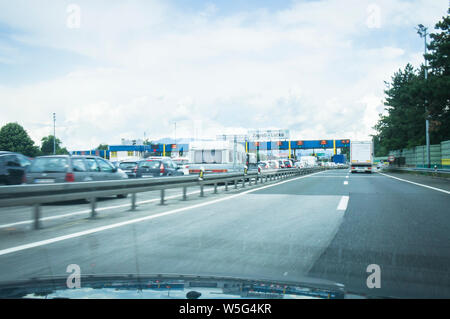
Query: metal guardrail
x,y
420,171
36,195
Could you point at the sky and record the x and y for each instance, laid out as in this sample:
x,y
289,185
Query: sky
x,y
113,69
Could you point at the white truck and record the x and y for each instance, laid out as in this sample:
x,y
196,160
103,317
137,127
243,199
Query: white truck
x,y
308,161
216,157
361,156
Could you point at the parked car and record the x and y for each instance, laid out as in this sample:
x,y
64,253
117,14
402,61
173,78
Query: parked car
x,y
274,164
263,165
130,168
77,168
288,164
183,164
281,164
158,167
12,168
299,164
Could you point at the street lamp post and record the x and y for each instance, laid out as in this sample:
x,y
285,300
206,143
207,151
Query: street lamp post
x,y
422,31
54,133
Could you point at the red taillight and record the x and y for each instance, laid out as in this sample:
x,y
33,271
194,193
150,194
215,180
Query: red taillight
x,y
353,168
370,167
24,179
135,169
70,177
161,169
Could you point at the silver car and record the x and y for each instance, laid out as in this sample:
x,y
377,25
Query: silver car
x,y
66,168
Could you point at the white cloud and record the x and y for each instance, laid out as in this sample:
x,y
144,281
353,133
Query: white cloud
x,y
311,68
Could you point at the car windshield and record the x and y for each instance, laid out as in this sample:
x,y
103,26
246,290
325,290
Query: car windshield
x,y
151,164
127,165
49,165
287,141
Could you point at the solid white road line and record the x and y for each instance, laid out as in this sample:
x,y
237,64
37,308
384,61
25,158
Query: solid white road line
x,y
426,186
345,182
343,203
137,220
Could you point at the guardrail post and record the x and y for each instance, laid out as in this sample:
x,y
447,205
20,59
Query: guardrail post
x,y
36,215
235,184
133,201
185,193
93,201
162,196
215,188
201,190
249,181
243,182
226,186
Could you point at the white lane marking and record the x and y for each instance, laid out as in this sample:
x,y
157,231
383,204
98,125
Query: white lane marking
x,y
83,212
345,182
137,220
337,176
426,186
343,203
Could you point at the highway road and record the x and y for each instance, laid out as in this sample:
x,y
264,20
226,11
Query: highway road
x,y
328,225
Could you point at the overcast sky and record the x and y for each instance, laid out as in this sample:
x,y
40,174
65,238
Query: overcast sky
x,y
116,69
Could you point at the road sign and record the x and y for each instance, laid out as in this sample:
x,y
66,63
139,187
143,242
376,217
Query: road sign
x,y
268,135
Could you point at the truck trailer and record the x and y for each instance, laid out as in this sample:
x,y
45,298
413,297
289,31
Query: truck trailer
x,y
361,156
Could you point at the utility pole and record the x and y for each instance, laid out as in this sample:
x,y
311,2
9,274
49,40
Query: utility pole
x,y
176,137
54,133
175,132
234,151
422,31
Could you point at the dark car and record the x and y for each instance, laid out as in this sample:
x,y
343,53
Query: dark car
x,y
12,168
130,168
156,167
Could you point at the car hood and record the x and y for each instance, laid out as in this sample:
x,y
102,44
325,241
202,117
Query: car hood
x,y
170,286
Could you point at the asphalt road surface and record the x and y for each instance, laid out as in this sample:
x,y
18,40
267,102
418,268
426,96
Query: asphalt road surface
x,y
329,225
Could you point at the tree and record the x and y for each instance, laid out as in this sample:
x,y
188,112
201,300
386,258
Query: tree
x,y
410,99
404,125
346,151
438,84
102,147
147,142
14,138
47,146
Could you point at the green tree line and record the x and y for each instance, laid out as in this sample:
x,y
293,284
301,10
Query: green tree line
x,y
14,138
410,99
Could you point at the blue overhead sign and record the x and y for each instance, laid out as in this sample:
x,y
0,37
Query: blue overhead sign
x,y
300,144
